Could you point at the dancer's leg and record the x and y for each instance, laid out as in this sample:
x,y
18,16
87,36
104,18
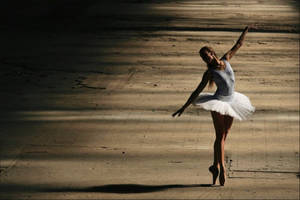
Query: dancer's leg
x,y
219,126
228,120
227,125
220,129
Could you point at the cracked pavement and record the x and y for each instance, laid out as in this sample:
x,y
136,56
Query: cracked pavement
x,y
87,97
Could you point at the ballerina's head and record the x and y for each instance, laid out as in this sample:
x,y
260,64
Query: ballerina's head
x,y
208,55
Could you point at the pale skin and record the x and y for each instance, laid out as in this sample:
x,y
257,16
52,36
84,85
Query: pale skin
x,y
222,123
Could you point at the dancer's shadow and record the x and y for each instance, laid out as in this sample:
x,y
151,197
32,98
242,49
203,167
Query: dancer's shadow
x,y
126,188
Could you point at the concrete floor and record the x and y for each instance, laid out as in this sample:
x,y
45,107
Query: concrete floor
x,y
87,96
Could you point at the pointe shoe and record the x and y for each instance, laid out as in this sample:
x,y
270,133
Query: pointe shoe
x,y
222,176
215,172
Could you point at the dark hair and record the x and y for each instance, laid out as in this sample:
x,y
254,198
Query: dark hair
x,y
201,52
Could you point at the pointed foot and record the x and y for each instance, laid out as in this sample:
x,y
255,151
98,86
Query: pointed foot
x,y
222,176
215,172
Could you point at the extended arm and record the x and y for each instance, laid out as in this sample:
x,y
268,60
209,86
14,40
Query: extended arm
x,y
237,45
194,95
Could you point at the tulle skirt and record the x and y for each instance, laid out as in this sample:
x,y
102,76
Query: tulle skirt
x,y
237,105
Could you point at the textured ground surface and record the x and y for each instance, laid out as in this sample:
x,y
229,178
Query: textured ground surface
x,y
88,89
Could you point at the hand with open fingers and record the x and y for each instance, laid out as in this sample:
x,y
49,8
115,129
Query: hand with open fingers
x,y
178,112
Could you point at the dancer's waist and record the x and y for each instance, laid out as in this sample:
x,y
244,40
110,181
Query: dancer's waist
x,y
224,97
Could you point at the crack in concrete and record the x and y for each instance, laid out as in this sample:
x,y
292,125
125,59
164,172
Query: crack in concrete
x,y
265,171
83,85
91,87
230,171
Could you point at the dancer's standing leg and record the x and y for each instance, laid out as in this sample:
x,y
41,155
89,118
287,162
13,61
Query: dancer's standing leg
x,y
222,125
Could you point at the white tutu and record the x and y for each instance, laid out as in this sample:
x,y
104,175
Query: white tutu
x,y
237,106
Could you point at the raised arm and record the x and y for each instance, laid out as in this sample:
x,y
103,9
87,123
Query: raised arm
x,y
237,45
194,95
